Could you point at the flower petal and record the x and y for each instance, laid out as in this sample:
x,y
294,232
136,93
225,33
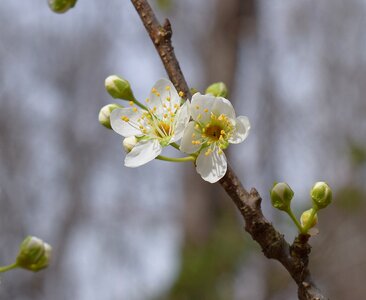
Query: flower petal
x,y
223,106
122,127
211,167
203,105
181,121
142,153
186,144
242,127
163,92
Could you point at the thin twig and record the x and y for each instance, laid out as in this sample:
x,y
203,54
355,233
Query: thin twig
x,y
293,257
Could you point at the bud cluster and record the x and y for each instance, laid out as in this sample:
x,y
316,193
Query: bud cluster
x,y
321,195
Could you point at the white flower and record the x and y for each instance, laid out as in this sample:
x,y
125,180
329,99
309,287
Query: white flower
x,y
162,124
214,126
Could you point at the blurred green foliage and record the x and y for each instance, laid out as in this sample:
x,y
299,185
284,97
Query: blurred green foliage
x,y
165,5
208,271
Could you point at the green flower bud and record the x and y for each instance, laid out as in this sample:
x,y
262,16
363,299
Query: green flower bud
x,y
104,116
34,254
119,88
217,89
305,219
321,195
128,143
61,6
44,260
281,195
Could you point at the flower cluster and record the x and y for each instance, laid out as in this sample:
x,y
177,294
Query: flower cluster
x,y
206,126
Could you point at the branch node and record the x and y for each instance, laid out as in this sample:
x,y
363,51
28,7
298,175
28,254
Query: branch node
x,y
167,29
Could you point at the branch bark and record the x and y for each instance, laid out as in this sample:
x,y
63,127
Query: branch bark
x,y
294,257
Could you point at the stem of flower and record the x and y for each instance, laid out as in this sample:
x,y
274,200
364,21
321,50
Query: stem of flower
x,y
175,145
181,159
138,103
310,221
293,218
9,267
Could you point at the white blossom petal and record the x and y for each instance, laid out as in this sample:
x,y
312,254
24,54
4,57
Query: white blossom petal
x,y
186,145
241,131
211,167
223,106
203,105
122,127
181,120
165,94
143,152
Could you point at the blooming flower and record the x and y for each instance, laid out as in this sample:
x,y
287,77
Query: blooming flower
x,y
214,126
161,124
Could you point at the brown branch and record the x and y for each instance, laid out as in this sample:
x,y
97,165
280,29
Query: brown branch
x,y
161,37
293,257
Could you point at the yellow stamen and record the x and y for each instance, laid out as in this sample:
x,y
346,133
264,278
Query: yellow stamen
x,y
135,109
167,87
125,118
205,110
181,94
131,103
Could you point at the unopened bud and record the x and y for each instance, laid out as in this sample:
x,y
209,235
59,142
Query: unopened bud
x,y
281,195
119,88
321,194
34,254
61,6
217,89
305,219
129,143
104,116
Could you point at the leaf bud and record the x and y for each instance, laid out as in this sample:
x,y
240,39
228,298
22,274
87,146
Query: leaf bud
x,y
119,88
34,254
104,116
217,89
129,143
61,6
281,195
305,219
321,195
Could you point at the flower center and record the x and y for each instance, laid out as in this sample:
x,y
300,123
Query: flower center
x,y
163,129
213,132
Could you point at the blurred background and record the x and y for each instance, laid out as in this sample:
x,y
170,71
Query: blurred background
x,y
297,69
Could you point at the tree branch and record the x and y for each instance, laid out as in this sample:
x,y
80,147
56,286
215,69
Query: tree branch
x,y
293,257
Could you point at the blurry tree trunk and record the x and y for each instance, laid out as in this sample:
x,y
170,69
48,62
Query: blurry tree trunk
x,y
212,238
